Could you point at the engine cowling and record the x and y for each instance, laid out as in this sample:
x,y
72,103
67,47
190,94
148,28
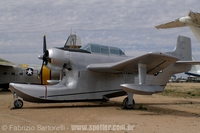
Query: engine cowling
x,y
57,59
186,20
47,75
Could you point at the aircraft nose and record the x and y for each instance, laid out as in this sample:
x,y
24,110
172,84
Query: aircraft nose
x,y
13,87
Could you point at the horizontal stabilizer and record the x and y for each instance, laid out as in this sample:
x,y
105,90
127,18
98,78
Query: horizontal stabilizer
x,y
189,62
141,89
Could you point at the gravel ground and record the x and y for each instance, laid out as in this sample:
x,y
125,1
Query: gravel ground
x,y
152,114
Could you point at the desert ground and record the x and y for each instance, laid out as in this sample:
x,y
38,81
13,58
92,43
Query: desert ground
x,y
167,112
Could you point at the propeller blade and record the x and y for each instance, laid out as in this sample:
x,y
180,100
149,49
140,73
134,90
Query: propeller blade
x,y
44,44
44,57
40,74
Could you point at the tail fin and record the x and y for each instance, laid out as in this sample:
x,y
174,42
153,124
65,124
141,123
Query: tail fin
x,y
183,49
192,20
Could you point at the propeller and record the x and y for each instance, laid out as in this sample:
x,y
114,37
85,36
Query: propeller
x,y
44,57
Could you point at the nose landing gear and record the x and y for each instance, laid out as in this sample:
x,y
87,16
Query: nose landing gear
x,y
18,103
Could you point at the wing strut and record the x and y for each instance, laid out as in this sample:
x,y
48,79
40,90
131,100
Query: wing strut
x,y
142,88
142,68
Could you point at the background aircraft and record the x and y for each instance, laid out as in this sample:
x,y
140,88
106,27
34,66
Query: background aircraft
x,y
23,73
192,20
96,72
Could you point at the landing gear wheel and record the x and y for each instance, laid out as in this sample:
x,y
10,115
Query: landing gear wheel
x,y
18,103
126,105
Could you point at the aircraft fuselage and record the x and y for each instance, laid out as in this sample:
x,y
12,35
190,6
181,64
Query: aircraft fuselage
x,y
81,84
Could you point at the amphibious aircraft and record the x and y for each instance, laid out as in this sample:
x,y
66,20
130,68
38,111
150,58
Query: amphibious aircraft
x,y
96,72
32,74
192,20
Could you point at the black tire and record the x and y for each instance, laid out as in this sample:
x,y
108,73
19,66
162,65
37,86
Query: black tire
x,y
18,103
125,103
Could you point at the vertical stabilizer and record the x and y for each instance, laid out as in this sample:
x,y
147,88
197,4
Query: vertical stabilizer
x,y
183,49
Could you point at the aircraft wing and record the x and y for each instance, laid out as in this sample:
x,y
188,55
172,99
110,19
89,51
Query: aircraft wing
x,y
154,62
6,63
172,24
195,17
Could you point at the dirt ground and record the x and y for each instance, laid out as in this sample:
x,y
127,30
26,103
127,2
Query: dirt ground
x,y
152,114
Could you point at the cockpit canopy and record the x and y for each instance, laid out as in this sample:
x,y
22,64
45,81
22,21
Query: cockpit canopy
x,y
107,50
73,41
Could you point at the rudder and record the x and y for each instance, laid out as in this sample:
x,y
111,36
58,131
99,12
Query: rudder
x,y
183,49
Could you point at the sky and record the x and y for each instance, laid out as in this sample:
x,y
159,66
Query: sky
x,y
127,24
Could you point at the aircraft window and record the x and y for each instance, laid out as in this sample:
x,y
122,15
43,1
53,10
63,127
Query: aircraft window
x,y
4,73
104,50
114,50
84,46
20,73
88,49
121,52
95,48
12,73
